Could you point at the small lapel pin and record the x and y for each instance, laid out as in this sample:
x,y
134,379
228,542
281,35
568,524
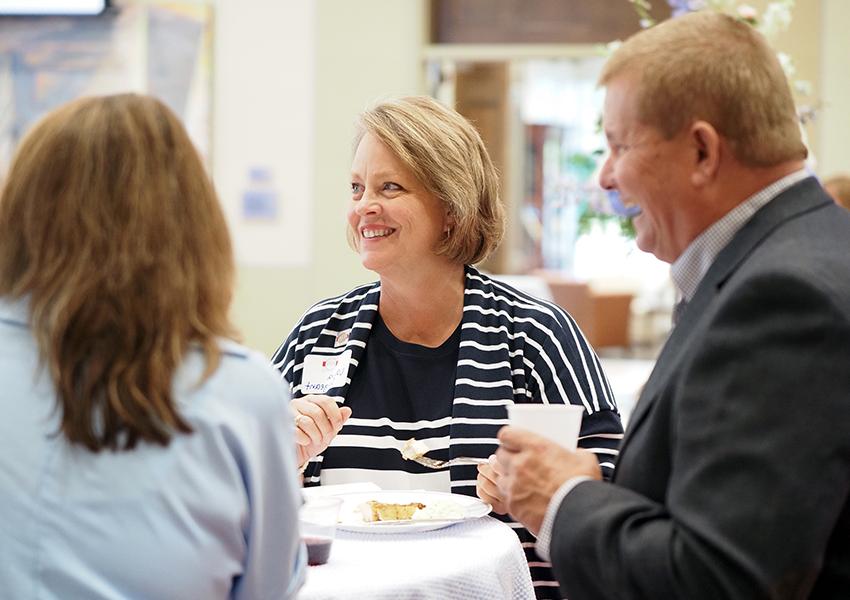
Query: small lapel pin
x,y
342,338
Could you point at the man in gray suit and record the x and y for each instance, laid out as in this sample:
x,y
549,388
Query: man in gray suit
x,y
733,478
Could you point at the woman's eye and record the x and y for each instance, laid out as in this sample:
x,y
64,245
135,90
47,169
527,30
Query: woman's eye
x,y
392,187
356,188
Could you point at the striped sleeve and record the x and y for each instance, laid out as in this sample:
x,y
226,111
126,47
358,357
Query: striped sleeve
x,y
562,367
325,318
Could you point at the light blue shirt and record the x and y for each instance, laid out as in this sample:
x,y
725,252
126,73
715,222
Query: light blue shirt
x,y
211,516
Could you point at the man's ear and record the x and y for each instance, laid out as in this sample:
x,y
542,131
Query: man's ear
x,y
706,143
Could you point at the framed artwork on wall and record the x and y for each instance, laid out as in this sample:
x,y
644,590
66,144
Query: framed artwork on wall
x,y
158,47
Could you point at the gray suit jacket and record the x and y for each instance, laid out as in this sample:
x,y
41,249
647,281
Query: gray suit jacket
x,y
733,479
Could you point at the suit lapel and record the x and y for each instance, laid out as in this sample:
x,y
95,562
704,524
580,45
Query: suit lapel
x,y
801,198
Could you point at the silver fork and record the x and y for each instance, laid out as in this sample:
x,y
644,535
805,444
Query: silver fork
x,y
414,450
442,464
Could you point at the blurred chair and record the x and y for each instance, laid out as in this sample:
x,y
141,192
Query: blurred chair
x,y
533,285
602,316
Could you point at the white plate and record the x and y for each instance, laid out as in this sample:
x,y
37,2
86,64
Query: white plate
x,y
350,518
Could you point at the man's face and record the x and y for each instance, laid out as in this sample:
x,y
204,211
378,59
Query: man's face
x,y
648,171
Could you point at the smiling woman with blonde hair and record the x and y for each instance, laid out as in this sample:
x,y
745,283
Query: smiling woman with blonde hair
x,y
435,350
144,441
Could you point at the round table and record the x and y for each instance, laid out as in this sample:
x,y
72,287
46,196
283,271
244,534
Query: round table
x,y
481,558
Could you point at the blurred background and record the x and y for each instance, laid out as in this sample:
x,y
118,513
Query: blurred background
x,y
269,90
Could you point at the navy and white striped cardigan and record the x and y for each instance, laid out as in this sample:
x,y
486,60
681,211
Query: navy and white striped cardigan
x,y
514,348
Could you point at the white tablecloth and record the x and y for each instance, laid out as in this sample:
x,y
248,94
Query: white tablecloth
x,y
474,559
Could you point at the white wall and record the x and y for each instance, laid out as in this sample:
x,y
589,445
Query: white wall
x,y
263,109
291,77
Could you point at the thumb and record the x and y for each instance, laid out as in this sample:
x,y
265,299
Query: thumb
x,y
514,438
345,412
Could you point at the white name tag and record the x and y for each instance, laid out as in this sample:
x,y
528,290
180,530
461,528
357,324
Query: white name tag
x,y
323,372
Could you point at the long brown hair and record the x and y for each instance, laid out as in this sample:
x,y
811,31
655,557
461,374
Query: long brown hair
x,y
111,228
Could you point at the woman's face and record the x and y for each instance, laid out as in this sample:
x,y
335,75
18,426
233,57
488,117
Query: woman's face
x,y
397,223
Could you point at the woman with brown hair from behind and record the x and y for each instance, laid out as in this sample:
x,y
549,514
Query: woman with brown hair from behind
x,y
145,455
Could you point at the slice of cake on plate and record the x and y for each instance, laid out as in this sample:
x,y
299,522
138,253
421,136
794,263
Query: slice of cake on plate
x,y
387,511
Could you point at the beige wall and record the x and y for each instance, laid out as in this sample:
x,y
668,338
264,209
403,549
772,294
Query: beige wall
x,y
802,43
818,41
834,122
363,50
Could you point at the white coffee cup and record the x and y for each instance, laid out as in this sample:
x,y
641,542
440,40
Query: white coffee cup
x,y
560,423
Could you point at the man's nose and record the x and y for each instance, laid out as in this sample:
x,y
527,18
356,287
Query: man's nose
x,y
606,176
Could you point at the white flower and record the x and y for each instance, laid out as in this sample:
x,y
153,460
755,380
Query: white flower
x,y
787,65
803,87
807,114
777,18
747,12
611,47
725,6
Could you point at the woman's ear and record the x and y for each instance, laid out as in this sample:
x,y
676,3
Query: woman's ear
x,y
706,143
448,222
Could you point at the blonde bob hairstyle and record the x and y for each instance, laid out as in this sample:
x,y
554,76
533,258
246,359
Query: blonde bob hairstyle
x,y
711,67
113,233
445,153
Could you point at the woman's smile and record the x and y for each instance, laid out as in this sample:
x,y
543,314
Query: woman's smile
x,y
374,233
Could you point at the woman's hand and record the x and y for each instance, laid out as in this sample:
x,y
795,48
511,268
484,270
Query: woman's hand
x,y
317,421
487,485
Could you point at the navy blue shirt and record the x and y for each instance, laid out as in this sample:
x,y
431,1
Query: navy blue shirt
x,y
405,383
